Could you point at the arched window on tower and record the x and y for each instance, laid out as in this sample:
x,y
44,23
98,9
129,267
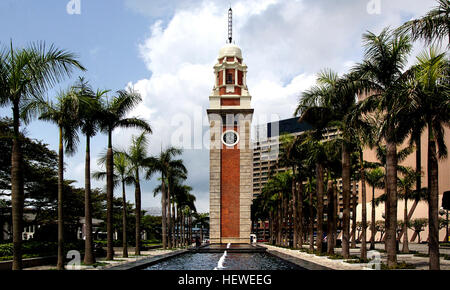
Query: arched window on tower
x,y
229,78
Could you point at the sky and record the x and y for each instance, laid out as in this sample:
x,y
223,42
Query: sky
x,y
166,50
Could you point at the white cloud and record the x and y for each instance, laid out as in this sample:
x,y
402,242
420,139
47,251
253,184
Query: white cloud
x,y
285,43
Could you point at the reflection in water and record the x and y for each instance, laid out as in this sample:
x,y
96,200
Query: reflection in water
x,y
233,261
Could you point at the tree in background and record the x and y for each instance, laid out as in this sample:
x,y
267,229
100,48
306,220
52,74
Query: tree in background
x,y
112,116
433,27
26,74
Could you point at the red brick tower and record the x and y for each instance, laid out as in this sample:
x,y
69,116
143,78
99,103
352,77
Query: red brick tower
x,y
230,115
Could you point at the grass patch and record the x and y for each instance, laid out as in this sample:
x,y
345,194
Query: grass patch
x,y
409,253
25,256
320,254
399,266
358,261
97,264
336,257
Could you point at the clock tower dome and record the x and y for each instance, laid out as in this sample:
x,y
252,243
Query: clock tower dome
x,y
230,115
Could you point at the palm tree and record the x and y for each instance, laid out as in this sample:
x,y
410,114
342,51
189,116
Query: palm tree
x,y
173,184
382,72
202,219
174,179
164,163
124,175
65,115
375,178
181,197
405,184
433,27
431,104
293,154
329,105
89,121
138,161
112,116
25,74
362,127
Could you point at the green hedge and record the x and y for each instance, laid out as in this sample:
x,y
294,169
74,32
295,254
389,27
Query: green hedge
x,y
39,248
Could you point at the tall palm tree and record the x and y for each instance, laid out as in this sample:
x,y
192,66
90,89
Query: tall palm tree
x,y
181,196
138,159
383,73
175,177
25,74
405,187
123,175
430,103
329,105
293,154
89,121
363,128
202,219
433,27
63,113
164,163
112,116
375,178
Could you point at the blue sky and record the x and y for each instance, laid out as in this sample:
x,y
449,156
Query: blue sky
x,y
166,50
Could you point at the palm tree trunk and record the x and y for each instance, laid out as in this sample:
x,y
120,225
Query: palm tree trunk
x,y
336,208
60,263
364,207
320,191
331,217
346,200
391,203
294,208
190,229
173,225
354,205
280,224
433,203
137,196
182,228
17,194
169,219
124,222
405,248
89,258
417,142
311,222
164,216
300,214
109,198
372,224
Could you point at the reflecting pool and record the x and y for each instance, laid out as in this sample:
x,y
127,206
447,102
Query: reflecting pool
x,y
231,261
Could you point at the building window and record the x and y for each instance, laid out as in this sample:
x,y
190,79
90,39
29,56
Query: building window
x,y
229,78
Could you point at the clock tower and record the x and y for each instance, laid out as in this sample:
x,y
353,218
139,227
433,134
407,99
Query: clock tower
x,y
230,116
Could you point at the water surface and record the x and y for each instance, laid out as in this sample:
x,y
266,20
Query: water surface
x,y
233,261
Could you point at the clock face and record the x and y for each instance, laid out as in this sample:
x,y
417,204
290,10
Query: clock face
x,y
230,138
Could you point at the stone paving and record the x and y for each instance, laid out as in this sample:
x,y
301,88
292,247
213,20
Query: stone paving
x,y
421,263
322,261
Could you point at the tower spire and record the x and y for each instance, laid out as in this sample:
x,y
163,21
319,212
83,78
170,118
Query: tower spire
x,y
230,25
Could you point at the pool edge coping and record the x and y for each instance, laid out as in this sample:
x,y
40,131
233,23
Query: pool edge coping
x,y
143,263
